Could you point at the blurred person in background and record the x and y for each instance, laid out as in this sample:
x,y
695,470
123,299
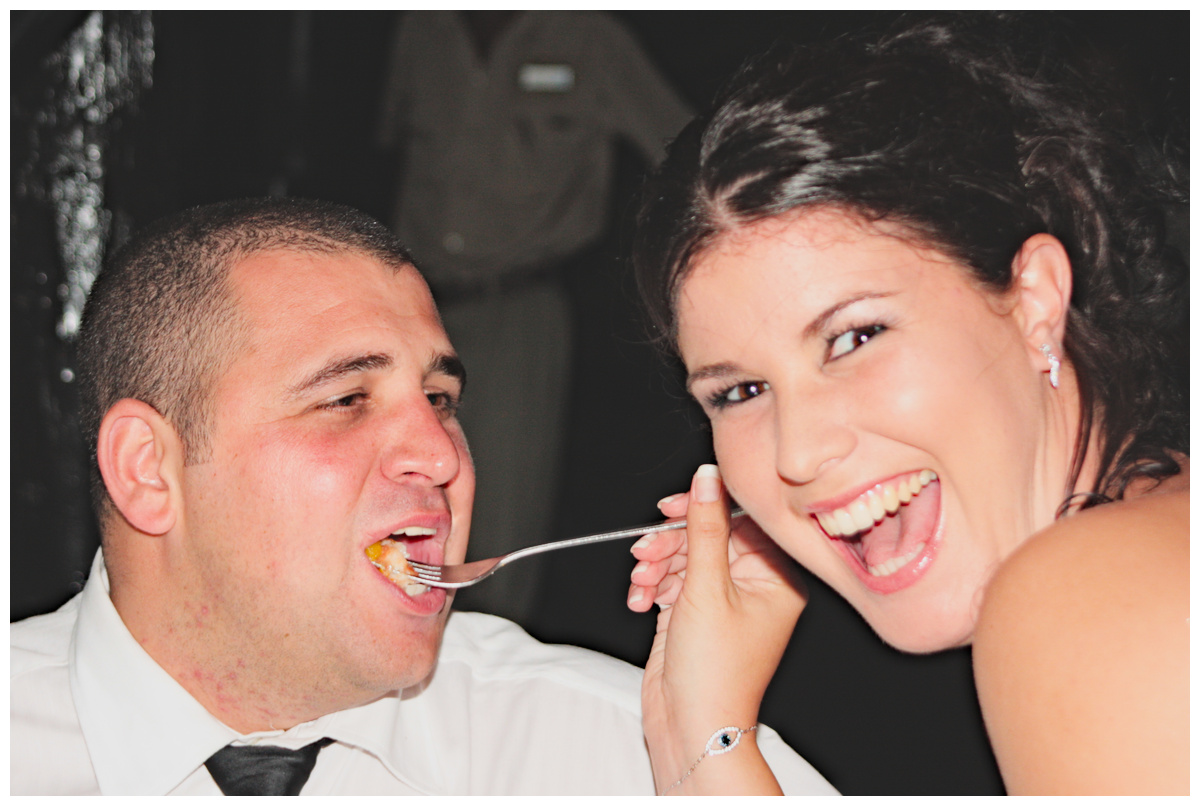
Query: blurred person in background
x,y
506,124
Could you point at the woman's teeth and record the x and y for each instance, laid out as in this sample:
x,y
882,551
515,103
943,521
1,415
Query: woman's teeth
x,y
895,564
873,506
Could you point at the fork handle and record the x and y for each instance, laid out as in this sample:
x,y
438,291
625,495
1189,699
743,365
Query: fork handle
x,y
633,531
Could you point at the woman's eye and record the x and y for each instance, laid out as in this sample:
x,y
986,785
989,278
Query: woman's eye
x,y
852,339
738,393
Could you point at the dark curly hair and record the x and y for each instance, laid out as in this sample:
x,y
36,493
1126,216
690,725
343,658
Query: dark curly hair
x,y
972,132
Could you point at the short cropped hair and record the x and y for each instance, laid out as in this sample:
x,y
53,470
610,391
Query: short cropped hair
x,y
161,325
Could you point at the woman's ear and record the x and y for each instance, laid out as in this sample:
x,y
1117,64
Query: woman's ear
x,y
1042,273
139,453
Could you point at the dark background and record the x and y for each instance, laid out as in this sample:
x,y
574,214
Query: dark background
x,y
253,103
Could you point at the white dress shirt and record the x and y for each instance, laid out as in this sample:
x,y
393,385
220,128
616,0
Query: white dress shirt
x,y
92,713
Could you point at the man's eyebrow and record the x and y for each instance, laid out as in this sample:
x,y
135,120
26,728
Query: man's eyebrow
x,y
338,369
335,370
449,364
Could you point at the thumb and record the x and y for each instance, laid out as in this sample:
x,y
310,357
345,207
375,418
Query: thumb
x,y
708,531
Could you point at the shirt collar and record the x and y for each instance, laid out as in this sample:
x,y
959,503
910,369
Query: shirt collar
x,y
403,732
146,734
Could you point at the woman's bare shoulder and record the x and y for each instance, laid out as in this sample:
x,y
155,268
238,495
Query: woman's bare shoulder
x,y
1081,651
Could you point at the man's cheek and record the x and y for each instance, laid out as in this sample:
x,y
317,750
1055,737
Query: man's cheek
x,y
309,470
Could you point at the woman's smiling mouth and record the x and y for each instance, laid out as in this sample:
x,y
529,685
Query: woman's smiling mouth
x,y
885,530
872,506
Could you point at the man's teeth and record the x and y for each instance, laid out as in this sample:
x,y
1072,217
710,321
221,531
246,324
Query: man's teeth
x,y
872,506
391,557
399,571
415,531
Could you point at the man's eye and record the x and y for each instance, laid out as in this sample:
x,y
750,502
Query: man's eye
x,y
738,393
446,403
852,339
346,401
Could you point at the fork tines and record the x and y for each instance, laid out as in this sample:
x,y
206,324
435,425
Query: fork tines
x,y
431,573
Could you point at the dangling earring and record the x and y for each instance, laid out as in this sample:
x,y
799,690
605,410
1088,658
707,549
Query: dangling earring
x,y
1054,364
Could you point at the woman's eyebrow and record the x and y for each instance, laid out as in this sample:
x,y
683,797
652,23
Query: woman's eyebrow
x,y
711,371
821,321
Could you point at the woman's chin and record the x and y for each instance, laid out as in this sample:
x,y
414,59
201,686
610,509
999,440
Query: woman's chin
x,y
921,636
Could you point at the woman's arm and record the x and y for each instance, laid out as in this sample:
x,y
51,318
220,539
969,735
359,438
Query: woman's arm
x,y
728,608
1081,653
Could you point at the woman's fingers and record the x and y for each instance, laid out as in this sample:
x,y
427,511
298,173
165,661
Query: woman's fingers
x,y
653,580
660,556
650,573
708,530
659,545
642,598
663,556
669,590
674,506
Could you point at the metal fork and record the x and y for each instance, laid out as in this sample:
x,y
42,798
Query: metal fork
x,y
461,576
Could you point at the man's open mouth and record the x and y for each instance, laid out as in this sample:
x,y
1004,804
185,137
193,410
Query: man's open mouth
x,y
390,556
888,527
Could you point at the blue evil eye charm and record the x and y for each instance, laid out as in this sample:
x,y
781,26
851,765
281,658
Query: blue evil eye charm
x,y
723,741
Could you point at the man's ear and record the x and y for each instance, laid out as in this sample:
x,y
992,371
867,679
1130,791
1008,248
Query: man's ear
x,y
1042,274
139,454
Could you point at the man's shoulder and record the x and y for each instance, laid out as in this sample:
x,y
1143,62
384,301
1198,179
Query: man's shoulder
x,y
529,717
586,704
47,751
498,650
39,642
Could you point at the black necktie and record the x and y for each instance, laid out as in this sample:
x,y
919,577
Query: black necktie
x,y
262,769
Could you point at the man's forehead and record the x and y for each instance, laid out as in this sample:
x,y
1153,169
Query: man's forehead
x,y
336,304
270,281
291,258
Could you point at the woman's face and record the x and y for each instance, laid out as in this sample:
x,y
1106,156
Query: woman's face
x,y
874,410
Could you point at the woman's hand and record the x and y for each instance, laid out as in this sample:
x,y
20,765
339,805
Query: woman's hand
x,y
729,605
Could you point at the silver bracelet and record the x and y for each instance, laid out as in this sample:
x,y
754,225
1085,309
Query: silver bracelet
x,y
720,742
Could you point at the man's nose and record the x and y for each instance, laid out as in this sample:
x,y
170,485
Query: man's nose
x,y
421,446
812,435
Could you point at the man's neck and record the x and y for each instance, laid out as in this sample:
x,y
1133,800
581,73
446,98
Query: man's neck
x,y
235,683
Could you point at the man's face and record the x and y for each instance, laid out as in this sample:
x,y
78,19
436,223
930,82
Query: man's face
x,y
333,428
